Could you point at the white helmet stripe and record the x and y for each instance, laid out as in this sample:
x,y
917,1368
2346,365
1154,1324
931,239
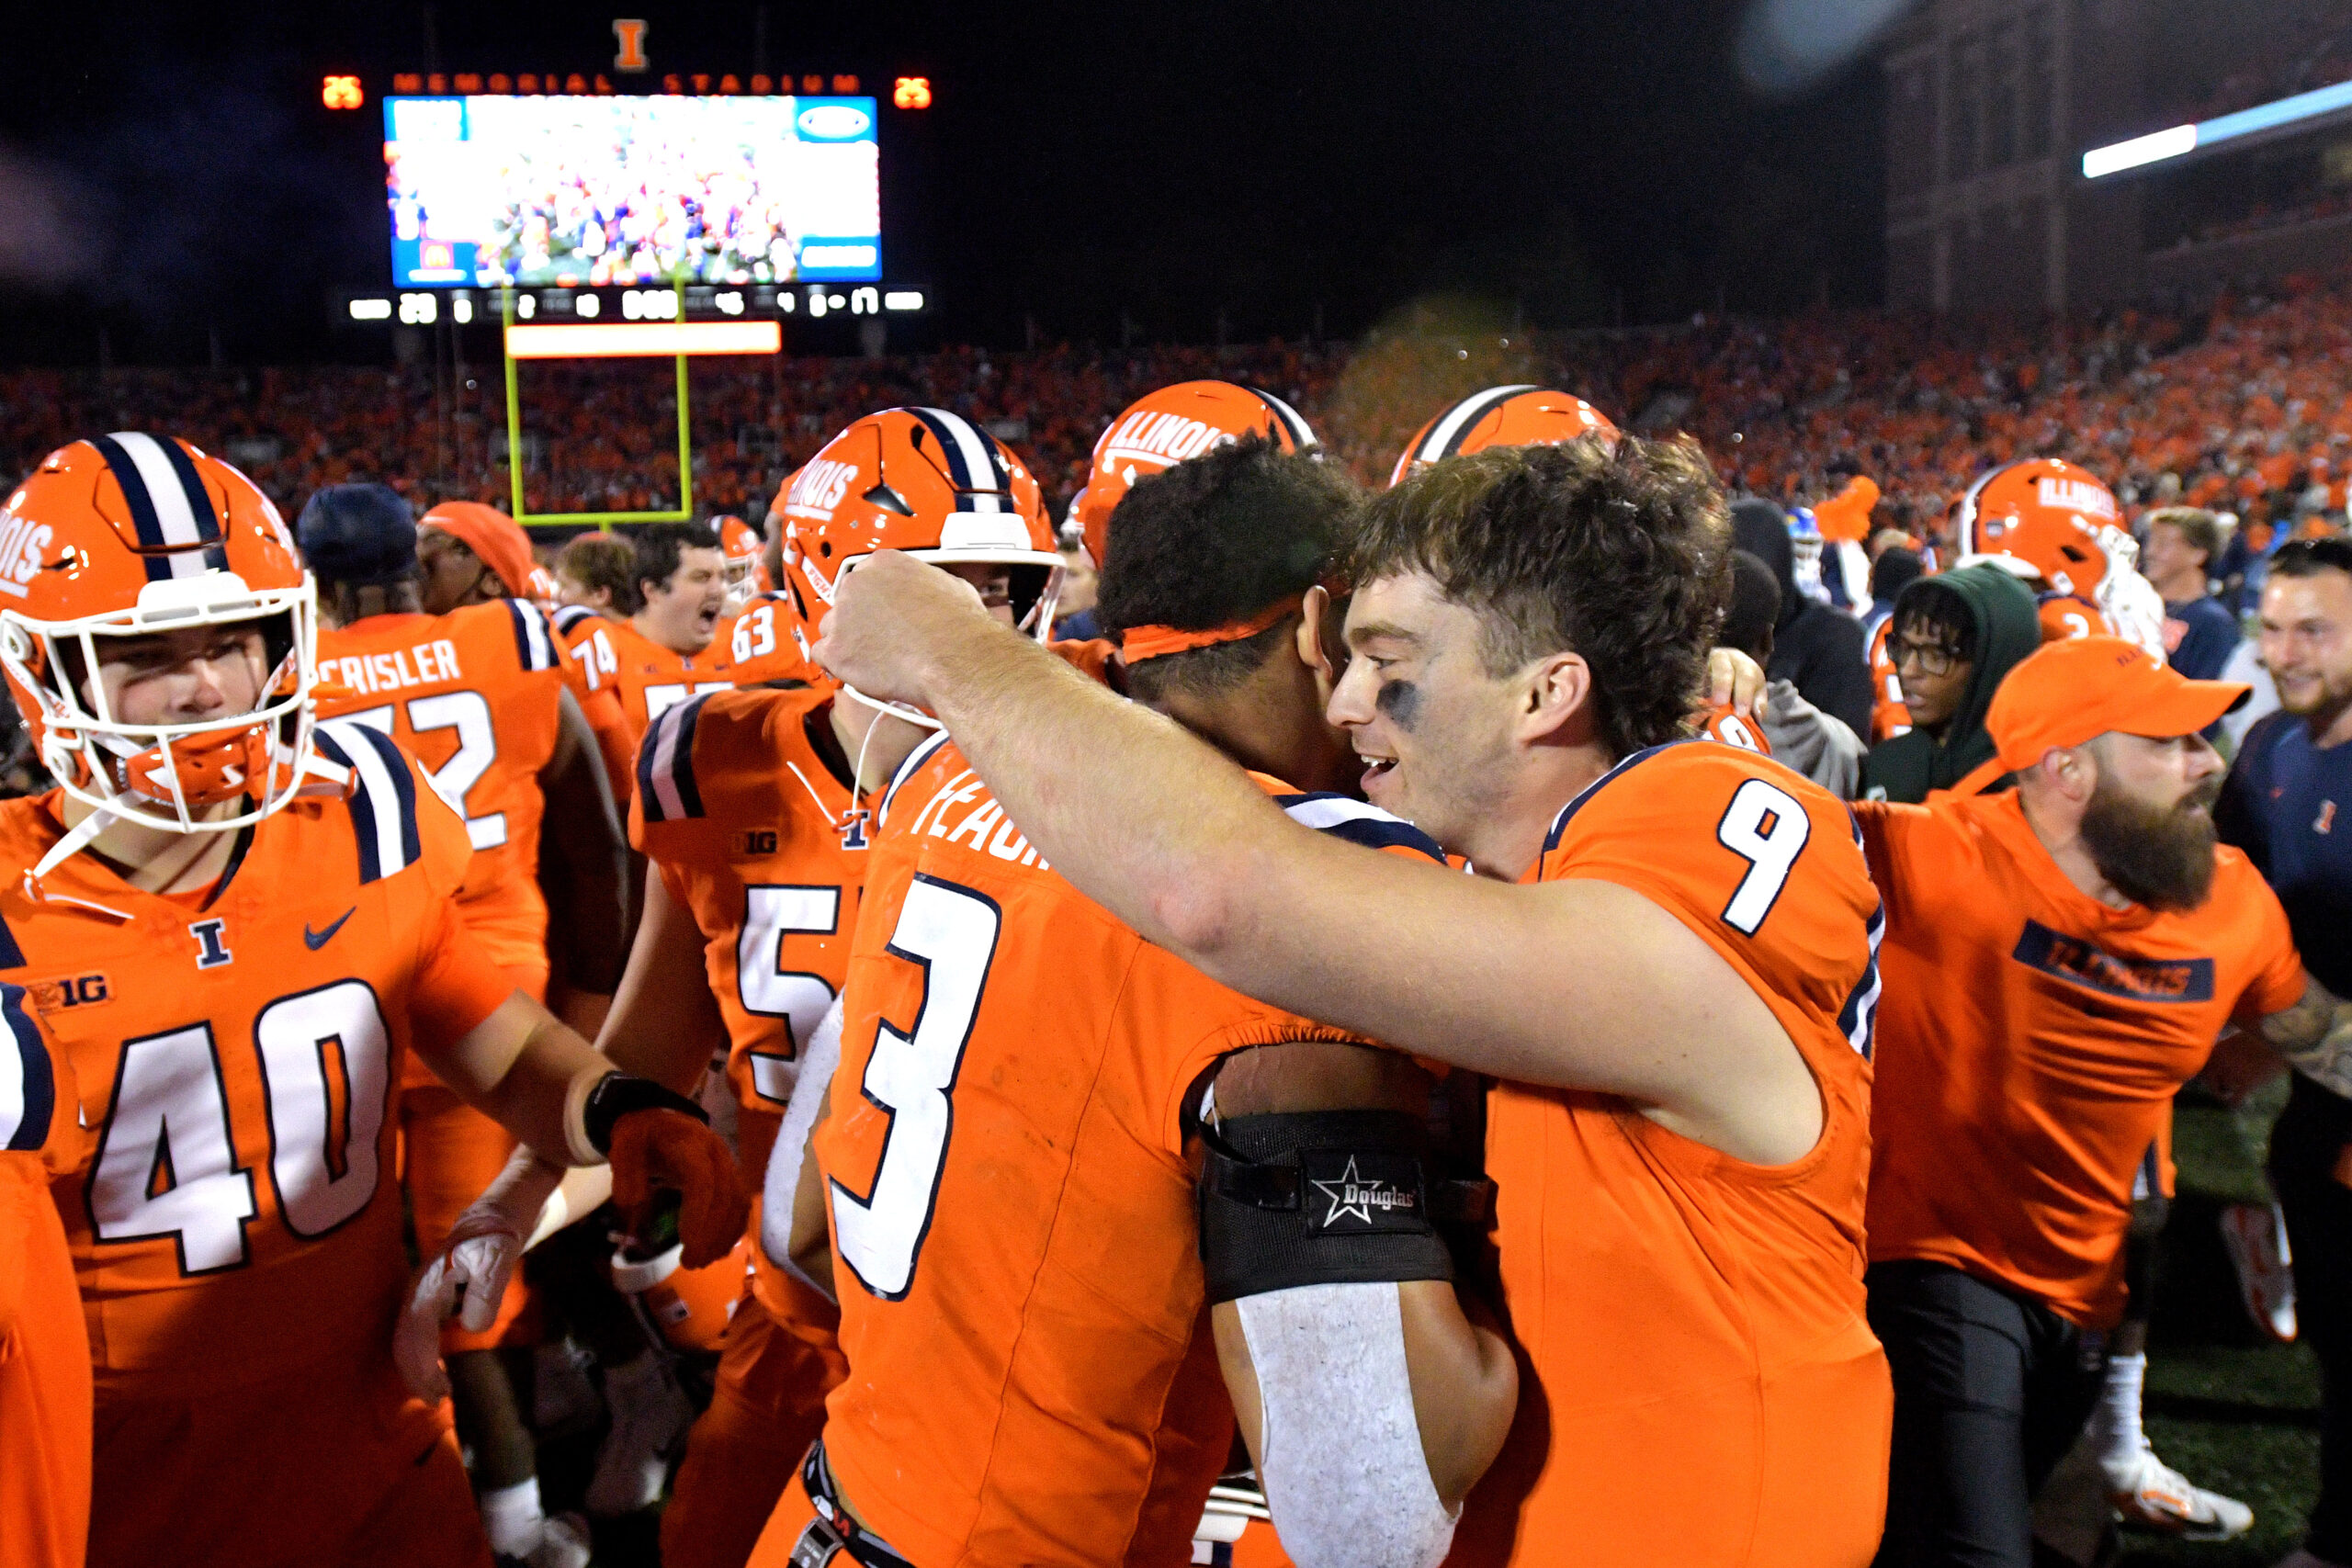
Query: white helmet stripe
x,y
1302,435
1446,436
174,517
971,458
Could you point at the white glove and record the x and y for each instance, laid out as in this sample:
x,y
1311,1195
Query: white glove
x,y
476,1261
2130,603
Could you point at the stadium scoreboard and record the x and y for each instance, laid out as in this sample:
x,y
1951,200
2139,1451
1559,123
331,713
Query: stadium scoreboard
x,y
584,205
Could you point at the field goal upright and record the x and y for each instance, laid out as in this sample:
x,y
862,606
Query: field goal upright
x,y
676,338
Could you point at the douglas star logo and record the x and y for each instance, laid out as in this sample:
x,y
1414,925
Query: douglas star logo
x,y
1362,1199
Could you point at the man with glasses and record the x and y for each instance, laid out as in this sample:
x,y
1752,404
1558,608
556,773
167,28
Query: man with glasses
x,y
2280,805
1954,636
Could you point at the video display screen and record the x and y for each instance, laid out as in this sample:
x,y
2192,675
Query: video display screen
x,y
595,191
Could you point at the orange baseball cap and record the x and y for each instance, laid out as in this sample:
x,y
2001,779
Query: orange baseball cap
x,y
493,535
2071,692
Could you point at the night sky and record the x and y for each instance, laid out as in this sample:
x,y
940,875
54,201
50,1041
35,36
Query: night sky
x,y
168,174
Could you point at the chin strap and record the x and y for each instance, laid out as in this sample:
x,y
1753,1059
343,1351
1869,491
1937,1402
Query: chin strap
x,y
76,838
896,710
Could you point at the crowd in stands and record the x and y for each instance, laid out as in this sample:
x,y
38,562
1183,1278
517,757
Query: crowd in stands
x,y
2245,405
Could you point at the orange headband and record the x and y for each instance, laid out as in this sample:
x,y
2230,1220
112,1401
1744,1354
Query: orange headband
x,y
1139,643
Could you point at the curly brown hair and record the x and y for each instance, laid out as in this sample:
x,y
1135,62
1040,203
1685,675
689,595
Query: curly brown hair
x,y
1621,555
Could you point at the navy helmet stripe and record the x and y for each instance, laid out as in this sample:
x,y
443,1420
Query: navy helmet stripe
x,y
1453,427
200,503
1302,435
972,459
29,1092
142,509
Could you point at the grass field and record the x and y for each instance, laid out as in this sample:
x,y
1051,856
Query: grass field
x,y
2226,1408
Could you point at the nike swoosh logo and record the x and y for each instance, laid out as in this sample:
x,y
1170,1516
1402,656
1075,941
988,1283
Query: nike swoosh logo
x,y
317,939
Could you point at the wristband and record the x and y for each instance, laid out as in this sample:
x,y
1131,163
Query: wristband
x,y
616,1094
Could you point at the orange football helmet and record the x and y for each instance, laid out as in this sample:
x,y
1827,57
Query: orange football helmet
x,y
2049,515
1163,428
930,483
129,535
1501,416
741,547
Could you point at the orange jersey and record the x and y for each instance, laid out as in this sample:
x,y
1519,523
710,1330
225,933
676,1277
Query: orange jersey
x,y
1031,1381
473,695
590,667
44,1353
1725,724
739,807
2031,1042
239,1055
2068,616
1889,718
761,642
648,678
1672,1300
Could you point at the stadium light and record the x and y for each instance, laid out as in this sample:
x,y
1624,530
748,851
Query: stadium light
x,y
372,309
2181,140
903,300
2138,152
644,340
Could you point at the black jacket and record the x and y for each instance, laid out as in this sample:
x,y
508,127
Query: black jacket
x,y
1819,648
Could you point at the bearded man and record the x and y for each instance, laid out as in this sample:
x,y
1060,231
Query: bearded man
x,y
2058,961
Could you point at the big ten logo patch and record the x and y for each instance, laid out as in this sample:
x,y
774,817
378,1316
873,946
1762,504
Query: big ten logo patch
x,y
72,991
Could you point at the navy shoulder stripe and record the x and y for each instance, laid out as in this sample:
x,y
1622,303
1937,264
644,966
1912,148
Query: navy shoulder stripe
x,y
915,760
1343,817
567,616
1560,823
11,955
383,806
27,1078
533,644
1857,1020
665,764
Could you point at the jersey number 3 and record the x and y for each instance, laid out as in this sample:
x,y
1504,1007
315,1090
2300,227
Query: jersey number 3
x,y
1765,827
950,932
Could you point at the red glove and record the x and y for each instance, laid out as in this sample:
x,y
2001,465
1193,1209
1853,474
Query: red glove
x,y
653,1149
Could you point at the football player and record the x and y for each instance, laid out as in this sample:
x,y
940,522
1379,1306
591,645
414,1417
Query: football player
x,y
2060,529
44,1351
756,809
1045,1224
472,554
744,551
480,695
247,917
1163,428
1501,416
1667,960
669,648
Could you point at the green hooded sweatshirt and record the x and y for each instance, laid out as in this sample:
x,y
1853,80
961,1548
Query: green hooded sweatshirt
x,y
2009,627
